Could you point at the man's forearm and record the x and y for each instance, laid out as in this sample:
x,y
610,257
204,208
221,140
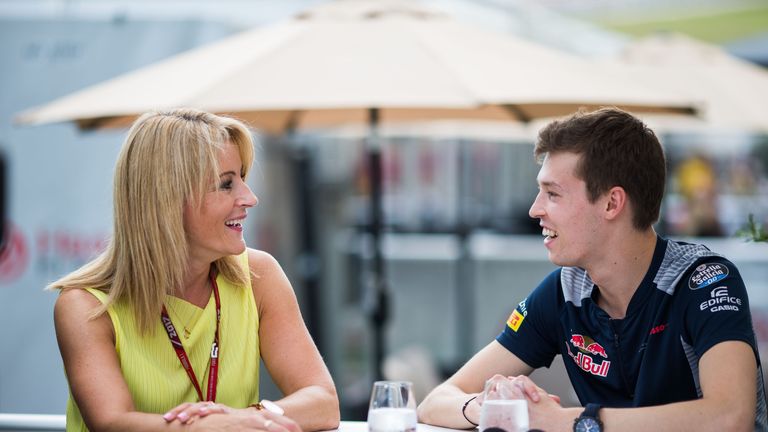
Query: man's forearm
x,y
444,406
694,416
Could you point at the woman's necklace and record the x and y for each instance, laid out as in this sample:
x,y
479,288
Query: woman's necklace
x,y
183,320
186,320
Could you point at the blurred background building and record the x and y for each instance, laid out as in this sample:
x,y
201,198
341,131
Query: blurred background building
x,y
460,249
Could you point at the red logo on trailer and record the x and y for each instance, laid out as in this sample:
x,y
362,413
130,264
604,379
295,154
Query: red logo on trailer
x,y
14,257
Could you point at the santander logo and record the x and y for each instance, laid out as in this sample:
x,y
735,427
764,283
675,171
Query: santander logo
x,y
14,257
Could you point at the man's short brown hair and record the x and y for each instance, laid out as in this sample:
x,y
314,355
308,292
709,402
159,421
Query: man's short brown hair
x,y
615,149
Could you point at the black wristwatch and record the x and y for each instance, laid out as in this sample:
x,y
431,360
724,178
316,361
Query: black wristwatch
x,y
589,421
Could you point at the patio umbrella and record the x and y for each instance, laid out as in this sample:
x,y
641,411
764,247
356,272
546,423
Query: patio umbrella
x,y
362,61
734,92
332,63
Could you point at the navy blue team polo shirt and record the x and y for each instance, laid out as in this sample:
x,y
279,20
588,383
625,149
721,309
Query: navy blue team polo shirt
x,y
690,300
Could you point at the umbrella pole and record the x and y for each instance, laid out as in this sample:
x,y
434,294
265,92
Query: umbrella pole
x,y
378,310
465,289
308,261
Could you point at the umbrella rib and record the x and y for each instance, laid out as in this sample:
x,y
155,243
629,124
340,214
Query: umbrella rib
x,y
517,112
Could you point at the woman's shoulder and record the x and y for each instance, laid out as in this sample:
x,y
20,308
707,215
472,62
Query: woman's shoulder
x,y
75,298
261,262
268,278
74,310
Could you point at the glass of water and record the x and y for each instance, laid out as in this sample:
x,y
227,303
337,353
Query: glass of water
x,y
504,407
392,408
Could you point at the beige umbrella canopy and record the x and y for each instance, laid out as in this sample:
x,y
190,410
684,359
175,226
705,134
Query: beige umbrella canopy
x,y
734,92
330,64
362,61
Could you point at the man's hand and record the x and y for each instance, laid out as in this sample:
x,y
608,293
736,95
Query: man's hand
x,y
544,409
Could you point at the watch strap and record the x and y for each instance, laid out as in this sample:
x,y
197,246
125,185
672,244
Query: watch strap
x,y
591,410
590,413
270,406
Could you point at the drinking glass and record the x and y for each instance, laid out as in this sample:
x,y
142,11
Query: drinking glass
x,y
392,408
504,407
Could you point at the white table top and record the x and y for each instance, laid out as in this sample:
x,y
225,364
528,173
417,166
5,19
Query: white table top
x,y
48,422
361,426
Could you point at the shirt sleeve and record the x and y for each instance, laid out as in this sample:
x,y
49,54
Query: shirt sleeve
x,y
718,306
531,330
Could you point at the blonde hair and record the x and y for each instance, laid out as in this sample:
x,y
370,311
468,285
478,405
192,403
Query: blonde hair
x,y
169,159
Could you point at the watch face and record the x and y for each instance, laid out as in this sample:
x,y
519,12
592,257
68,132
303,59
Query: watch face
x,y
587,424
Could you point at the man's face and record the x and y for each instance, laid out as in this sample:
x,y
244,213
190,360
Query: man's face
x,y
570,223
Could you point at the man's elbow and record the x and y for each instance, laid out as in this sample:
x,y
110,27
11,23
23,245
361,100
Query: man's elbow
x,y
423,413
738,419
740,424
425,410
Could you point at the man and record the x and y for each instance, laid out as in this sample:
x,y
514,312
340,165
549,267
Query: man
x,y
655,334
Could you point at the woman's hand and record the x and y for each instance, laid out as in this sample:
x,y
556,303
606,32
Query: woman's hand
x,y
270,421
188,412
249,419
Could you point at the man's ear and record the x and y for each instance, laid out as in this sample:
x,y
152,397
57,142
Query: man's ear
x,y
615,202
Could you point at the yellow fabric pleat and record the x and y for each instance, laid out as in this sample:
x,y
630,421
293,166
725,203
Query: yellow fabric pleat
x,y
154,375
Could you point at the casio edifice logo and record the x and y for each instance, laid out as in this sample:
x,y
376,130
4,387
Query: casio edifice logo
x,y
721,301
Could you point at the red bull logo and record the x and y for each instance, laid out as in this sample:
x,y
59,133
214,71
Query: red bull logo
x,y
587,345
587,364
578,341
596,349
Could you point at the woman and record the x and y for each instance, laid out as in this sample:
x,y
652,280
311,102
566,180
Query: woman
x,y
128,321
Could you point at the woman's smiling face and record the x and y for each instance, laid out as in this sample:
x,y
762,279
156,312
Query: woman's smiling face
x,y
215,227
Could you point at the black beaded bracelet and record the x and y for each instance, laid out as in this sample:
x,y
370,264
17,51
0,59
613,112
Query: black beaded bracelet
x,y
464,410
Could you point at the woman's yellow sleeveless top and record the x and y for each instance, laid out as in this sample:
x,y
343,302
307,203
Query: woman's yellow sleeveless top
x,y
153,372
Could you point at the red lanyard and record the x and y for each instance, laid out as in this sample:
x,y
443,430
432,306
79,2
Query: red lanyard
x,y
213,371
